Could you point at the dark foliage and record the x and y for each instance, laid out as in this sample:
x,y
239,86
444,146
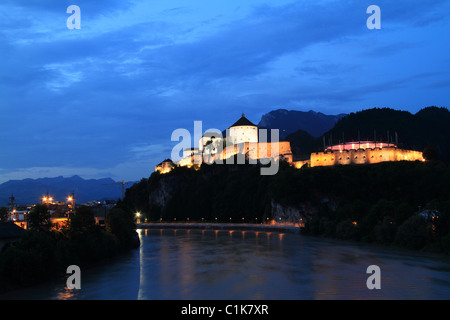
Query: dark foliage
x,y
42,253
428,130
373,203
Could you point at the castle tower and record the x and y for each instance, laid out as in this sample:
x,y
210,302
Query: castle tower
x,y
242,131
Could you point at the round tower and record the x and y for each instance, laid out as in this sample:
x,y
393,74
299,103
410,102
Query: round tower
x,y
242,131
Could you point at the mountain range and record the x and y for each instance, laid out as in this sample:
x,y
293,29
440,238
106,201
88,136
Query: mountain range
x,y
29,191
289,121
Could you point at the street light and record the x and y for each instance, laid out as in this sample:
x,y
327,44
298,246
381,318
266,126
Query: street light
x,y
47,199
138,216
71,199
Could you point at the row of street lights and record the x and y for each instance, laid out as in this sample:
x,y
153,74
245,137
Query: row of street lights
x,y
47,199
139,214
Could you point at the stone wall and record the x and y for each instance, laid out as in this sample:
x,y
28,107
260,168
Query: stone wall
x,y
363,156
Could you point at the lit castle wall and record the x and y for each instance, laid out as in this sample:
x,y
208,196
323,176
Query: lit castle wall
x,y
242,139
367,152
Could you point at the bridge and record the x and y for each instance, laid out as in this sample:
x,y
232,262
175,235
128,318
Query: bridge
x,y
222,226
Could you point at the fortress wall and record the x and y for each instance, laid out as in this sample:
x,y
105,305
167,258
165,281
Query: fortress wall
x,y
328,158
409,155
188,161
363,156
270,149
282,149
164,167
300,164
258,150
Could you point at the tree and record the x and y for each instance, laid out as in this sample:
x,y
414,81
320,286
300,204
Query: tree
x,y
39,218
3,214
82,219
121,224
430,153
413,233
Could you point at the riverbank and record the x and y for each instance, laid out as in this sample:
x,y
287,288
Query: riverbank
x,y
222,226
197,264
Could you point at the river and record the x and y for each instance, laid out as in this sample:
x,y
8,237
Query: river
x,y
225,264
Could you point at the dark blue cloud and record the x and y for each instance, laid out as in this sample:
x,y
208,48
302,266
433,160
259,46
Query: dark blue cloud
x,y
108,97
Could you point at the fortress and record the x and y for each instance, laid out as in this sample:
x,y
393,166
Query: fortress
x,y
243,139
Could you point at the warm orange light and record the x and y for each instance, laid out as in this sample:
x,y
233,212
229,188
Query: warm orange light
x,y
69,198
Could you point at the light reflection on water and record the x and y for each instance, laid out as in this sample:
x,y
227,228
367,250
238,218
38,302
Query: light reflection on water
x,y
232,264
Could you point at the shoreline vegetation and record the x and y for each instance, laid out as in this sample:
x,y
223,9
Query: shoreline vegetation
x,y
42,253
400,204
394,204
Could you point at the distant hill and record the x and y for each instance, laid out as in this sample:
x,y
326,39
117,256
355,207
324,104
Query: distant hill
x,y
429,126
289,121
29,191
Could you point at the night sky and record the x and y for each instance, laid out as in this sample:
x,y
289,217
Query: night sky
x,y
103,100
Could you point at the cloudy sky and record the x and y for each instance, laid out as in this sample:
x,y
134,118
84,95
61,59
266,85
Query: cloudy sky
x,y
103,101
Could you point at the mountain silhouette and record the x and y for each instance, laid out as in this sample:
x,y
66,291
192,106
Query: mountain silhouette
x,y
30,191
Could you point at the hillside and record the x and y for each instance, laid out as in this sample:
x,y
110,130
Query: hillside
x,y
29,191
429,126
378,203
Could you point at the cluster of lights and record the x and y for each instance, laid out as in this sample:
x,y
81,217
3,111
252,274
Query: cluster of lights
x,y
48,199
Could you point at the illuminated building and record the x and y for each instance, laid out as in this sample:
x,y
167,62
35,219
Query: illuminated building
x,y
243,139
360,152
165,166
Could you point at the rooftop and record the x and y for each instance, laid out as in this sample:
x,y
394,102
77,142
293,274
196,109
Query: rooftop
x,y
10,230
243,121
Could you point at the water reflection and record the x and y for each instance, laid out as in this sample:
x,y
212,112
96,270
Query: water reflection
x,y
238,264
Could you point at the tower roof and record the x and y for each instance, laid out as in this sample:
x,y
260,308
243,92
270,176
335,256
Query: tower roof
x,y
243,121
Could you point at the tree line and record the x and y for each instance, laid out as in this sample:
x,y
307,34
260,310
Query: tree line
x,y
403,203
44,253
